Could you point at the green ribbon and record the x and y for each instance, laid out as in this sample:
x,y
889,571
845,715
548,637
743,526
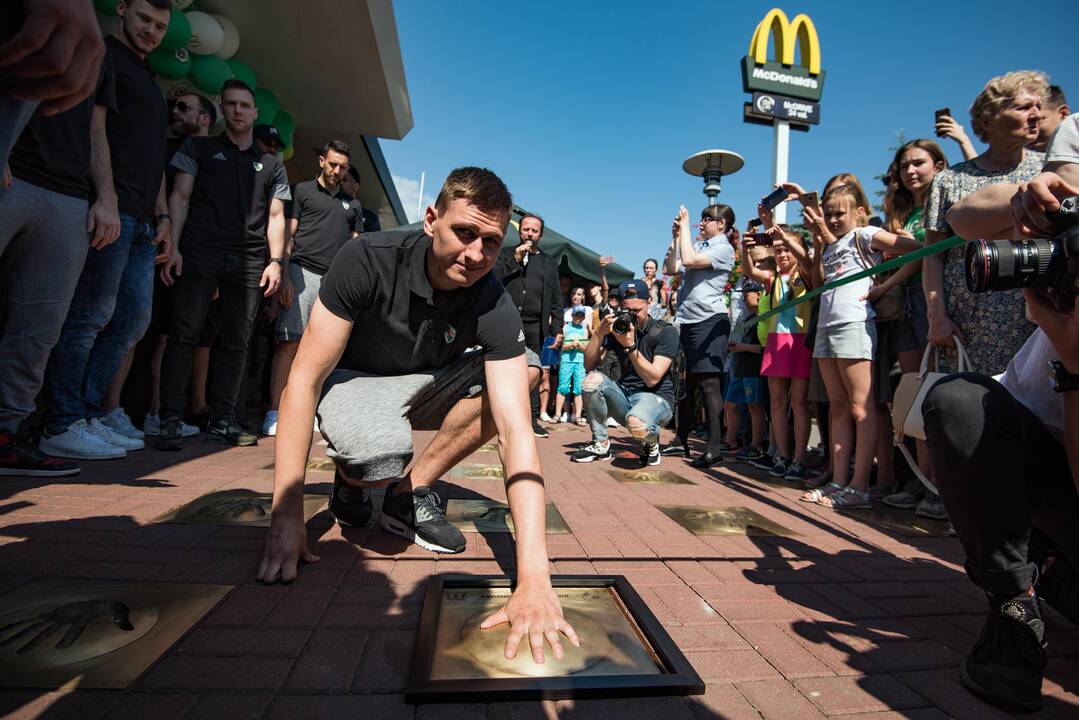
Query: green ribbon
x,y
943,246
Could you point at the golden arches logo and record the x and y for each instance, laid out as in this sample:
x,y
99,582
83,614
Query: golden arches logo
x,y
787,34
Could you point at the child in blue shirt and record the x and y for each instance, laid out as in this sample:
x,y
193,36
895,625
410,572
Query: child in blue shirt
x,y
571,369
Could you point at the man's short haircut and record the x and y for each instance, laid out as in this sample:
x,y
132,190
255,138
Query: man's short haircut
x,y
543,225
1055,100
999,92
159,4
479,186
338,146
234,84
205,104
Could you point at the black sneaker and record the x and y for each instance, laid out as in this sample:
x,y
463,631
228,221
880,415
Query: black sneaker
x,y
171,436
779,467
1008,660
230,432
675,447
592,452
751,455
350,504
650,455
417,516
763,462
538,430
796,472
18,459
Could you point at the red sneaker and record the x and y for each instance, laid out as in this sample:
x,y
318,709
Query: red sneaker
x,y
25,461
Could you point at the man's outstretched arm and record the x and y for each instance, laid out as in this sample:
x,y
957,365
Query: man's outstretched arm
x,y
533,610
323,342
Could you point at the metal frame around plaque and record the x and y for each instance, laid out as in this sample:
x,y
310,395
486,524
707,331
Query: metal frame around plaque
x,y
675,675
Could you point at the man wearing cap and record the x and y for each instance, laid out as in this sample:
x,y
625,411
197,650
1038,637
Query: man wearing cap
x,y
390,348
643,398
227,207
267,139
322,219
531,279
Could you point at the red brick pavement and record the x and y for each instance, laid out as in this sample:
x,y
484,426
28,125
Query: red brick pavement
x,y
845,617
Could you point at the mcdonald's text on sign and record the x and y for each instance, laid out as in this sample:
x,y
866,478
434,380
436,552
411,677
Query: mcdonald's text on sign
x,y
780,75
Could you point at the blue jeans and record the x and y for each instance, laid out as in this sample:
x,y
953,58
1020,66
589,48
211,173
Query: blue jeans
x,y
109,314
610,401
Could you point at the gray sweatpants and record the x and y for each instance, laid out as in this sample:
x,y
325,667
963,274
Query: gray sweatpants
x,y
43,245
367,420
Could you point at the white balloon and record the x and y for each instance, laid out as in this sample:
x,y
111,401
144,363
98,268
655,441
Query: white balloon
x,y
232,38
207,35
182,4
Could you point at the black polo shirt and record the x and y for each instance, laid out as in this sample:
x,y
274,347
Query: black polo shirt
x,y
402,325
663,342
136,130
326,222
230,201
54,152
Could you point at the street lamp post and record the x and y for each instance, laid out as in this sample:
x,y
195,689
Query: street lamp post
x,y
712,165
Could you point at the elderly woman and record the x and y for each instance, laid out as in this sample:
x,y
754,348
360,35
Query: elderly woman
x,y
992,327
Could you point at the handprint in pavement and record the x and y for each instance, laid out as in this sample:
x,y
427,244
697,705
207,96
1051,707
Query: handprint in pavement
x,y
75,617
259,505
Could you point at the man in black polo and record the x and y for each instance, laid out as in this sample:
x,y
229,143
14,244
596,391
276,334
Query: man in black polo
x,y
112,304
531,279
227,207
46,229
350,183
322,219
386,351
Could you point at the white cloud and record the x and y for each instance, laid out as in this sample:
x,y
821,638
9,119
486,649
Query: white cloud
x,y
409,192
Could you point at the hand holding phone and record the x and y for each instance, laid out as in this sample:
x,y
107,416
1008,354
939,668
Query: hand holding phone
x,y
810,199
772,201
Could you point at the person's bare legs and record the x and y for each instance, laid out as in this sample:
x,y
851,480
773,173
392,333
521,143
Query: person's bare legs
x,y
857,377
155,374
734,420
885,455
559,404
800,410
839,420
279,370
544,389
756,416
200,370
112,395
578,405
779,389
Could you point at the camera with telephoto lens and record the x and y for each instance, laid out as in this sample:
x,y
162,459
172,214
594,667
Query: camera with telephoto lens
x,y
623,321
1045,264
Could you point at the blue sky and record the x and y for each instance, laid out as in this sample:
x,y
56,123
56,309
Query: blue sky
x,y
587,109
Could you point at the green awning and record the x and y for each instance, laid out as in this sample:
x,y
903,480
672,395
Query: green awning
x,y
574,258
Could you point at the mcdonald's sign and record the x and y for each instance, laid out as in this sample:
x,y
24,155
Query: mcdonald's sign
x,y
780,74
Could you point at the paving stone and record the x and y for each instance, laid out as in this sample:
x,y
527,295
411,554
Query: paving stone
x,y
318,707
779,700
329,661
234,707
866,693
721,700
731,665
159,706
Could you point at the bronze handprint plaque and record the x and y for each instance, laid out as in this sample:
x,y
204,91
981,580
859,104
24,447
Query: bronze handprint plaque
x,y
94,633
235,507
624,649
475,471
723,521
492,516
648,476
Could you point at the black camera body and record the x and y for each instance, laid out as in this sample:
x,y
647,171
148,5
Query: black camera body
x,y
1050,265
623,321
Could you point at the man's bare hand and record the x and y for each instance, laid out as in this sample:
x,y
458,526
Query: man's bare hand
x,y
171,268
271,279
56,55
533,611
286,293
523,249
163,240
103,224
1034,198
285,545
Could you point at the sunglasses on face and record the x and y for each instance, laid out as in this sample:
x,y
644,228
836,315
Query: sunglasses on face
x,y
183,107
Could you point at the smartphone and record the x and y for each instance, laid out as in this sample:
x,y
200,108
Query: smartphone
x,y
755,223
811,199
763,239
772,201
938,114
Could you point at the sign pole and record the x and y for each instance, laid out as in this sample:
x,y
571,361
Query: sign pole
x,y
781,135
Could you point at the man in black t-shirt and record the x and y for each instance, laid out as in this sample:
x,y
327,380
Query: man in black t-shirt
x,y
323,217
112,304
386,352
227,208
643,398
44,216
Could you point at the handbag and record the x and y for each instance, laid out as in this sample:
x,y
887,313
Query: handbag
x,y
892,305
907,417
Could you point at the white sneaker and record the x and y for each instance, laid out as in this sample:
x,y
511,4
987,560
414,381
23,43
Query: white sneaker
x,y
269,424
316,424
151,425
79,443
545,417
611,422
118,421
564,418
112,437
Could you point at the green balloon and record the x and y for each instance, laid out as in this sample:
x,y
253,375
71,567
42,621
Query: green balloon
x,y
173,64
209,73
105,7
286,125
242,71
267,106
179,31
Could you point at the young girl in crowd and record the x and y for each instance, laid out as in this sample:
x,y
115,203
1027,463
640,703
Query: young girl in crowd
x,y
577,299
846,335
744,383
571,370
786,359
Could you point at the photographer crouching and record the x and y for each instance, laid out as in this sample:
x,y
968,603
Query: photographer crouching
x,y
643,398
1005,451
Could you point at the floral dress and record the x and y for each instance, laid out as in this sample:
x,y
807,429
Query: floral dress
x,y
994,323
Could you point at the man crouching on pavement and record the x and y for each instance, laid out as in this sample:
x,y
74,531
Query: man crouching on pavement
x,y
385,352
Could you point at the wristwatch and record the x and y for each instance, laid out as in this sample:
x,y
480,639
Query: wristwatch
x,y
280,261
162,216
1063,381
